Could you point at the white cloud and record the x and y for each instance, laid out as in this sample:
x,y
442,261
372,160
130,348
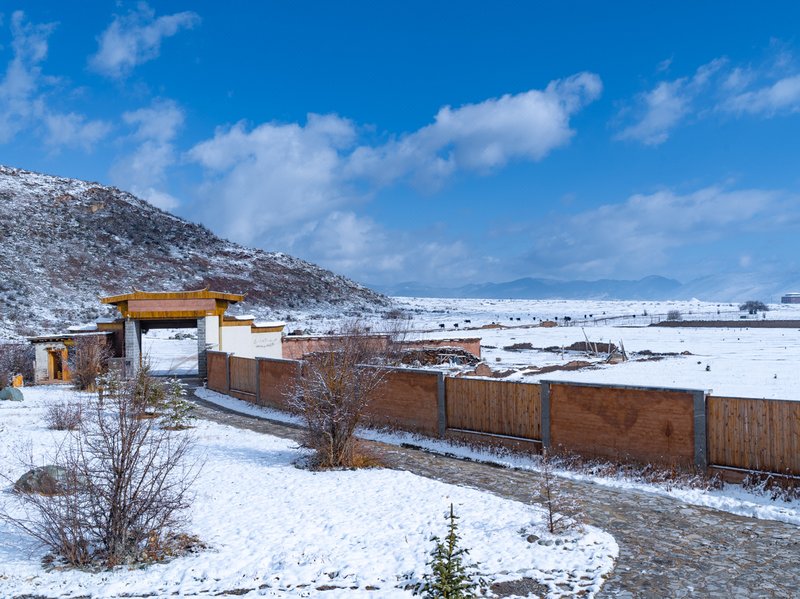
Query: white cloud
x,y
717,88
274,176
637,236
74,130
136,38
295,186
143,171
661,109
783,96
481,137
23,97
365,250
20,103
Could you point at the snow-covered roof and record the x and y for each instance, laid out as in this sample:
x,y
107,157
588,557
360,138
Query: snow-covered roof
x,y
77,328
269,324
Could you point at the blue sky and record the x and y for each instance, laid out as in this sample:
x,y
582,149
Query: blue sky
x,y
444,143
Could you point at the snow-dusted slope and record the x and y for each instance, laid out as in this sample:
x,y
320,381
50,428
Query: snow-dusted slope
x,y
65,242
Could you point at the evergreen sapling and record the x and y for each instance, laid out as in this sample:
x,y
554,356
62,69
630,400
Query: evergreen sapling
x,y
450,577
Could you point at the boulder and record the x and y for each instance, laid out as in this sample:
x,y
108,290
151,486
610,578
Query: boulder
x,y
45,480
11,394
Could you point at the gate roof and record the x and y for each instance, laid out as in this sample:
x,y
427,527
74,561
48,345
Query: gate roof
x,y
166,305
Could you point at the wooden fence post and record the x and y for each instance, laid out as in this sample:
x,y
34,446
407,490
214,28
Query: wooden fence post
x,y
442,404
544,394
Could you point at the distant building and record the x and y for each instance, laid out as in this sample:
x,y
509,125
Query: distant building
x,y
791,298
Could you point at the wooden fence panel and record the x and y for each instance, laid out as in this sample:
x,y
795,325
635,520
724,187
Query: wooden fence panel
x,y
217,371
754,434
495,407
243,375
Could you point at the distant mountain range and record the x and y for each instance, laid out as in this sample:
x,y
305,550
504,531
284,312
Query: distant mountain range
x,y
721,288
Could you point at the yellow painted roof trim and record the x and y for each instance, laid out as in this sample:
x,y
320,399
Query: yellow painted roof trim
x,y
198,294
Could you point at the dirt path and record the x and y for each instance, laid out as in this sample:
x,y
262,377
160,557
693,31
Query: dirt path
x,y
667,548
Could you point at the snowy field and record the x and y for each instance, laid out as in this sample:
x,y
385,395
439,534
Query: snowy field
x,y
277,530
738,362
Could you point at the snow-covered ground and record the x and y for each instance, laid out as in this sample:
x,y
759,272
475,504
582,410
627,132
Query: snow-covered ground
x,y
274,529
171,351
738,362
731,498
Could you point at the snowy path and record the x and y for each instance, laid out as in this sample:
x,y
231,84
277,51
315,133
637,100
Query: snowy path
x,y
667,548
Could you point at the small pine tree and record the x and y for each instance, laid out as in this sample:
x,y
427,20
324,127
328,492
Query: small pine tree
x,y
450,577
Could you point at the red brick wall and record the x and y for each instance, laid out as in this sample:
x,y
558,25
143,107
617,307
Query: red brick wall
x,y
619,423
408,401
294,348
276,379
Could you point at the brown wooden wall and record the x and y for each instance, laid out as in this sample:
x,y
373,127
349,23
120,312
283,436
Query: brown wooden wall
x,y
619,423
497,407
276,379
408,401
243,375
754,434
217,371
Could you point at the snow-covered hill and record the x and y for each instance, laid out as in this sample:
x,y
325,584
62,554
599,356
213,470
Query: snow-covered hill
x,y
64,243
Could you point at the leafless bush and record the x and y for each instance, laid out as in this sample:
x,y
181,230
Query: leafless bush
x,y
64,416
334,392
666,476
126,486
16,358
674,315
563,513
775,486
88,360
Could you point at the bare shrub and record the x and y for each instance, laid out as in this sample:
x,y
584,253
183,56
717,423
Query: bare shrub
x,y
562,511
783,487
16,358
126,486
64,416
88,361
674,315
335,390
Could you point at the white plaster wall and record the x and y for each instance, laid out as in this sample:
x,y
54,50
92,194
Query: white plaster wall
x,y
40,369
267,345
238,340
212,332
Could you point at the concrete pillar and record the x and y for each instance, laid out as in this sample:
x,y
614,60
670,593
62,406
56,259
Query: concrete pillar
x,y
700,430
545,397
133,347
441,405
202,360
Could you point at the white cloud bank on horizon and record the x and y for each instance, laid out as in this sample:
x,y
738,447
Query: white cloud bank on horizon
x,y
23,94
290,186
716,88
636,237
